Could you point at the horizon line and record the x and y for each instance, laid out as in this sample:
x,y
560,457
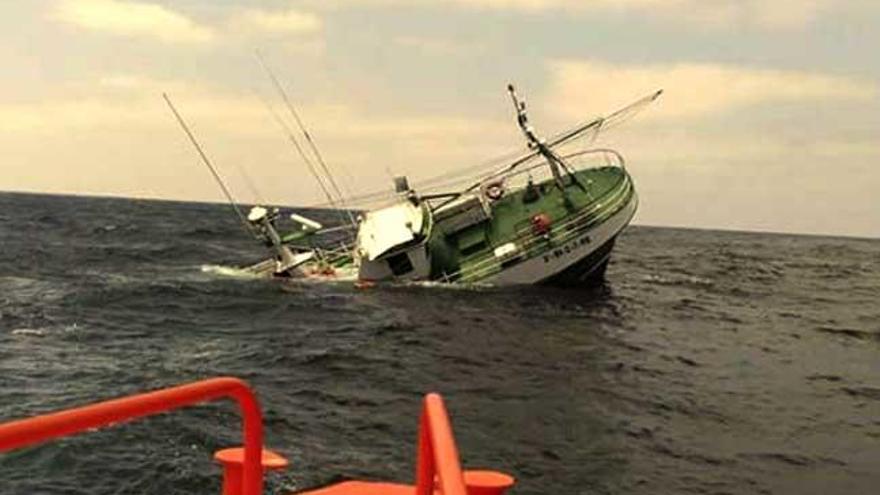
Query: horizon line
x,y
636,224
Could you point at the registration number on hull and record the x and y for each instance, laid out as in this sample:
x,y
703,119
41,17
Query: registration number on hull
x,y
566,248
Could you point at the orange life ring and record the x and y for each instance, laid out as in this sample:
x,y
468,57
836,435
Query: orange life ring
x,y
494,190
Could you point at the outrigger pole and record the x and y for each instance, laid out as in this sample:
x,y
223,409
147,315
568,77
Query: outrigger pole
x,y
312,146
207,162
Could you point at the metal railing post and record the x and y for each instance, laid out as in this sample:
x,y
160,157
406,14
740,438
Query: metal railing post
x,y
438,462
437,452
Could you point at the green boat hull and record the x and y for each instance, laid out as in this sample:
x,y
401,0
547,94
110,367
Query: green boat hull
x,y
584,221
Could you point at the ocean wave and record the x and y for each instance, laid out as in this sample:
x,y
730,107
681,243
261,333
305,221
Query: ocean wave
x,y
853,333
39,332
24,290
677,280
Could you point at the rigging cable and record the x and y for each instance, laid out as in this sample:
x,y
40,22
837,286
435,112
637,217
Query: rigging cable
x,y
207,162
290,136
312,146
250,185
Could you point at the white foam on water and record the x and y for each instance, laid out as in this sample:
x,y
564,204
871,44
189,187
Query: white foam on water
x,y
434,284
347,274
340,275
29,331
228,271
675,279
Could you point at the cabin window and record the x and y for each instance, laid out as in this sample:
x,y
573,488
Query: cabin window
x,y
400,264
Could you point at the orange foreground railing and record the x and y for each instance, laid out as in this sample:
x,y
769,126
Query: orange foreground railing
x,y
437,461
31,431
437,453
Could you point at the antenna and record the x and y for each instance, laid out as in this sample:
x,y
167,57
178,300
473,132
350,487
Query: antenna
x,y
312,146
207,162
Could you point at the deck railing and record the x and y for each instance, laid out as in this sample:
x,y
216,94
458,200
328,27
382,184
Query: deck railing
x,y
437,462
38,429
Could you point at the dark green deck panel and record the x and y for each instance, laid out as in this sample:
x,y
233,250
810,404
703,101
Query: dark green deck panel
x,y
471,238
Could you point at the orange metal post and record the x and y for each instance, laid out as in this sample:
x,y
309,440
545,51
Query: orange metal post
x,y
437,452
438,459
481,482
232,460
26,432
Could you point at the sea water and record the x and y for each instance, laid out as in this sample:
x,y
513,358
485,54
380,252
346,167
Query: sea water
x,y
710,362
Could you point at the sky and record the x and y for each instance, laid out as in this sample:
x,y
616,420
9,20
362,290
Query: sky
x,y
770,119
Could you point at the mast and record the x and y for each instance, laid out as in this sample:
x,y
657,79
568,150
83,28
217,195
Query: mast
x,y
555,161
534,141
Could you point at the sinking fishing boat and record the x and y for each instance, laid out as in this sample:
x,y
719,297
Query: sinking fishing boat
x,y
549,216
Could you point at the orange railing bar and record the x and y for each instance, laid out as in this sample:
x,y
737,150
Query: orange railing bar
x,y
26,432
437,454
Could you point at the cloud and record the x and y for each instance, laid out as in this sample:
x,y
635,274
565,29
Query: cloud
x,y
708,14
148,20
539,5
692,89
124,115
134,19
438,46
735,14
776,14
724,137
290,21
133,100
